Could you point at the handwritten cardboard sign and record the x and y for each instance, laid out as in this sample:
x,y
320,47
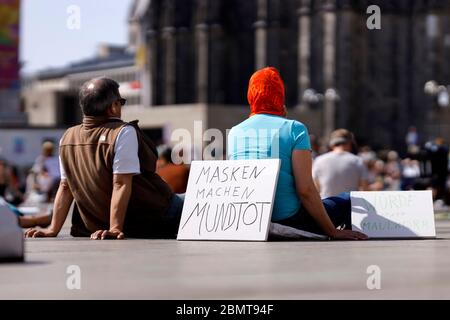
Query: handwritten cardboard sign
x,y
229,200
393,214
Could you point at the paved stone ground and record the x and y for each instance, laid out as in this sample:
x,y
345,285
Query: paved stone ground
x,y
167,269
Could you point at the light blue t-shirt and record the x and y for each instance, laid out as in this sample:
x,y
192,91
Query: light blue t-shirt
x,y
264,136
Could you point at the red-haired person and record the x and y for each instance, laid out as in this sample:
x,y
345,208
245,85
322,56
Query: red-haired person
x,y
267,133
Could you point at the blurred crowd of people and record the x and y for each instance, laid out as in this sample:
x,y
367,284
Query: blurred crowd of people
x,y
38,184
423,167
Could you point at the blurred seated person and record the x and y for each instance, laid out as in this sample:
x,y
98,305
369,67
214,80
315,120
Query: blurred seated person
x,y
108,168
268,134
16,195
176,176
410,173
39,187
367,154
375,175
29,221
5,176
9,183
392,171
340,170
49,160
44,183
47,164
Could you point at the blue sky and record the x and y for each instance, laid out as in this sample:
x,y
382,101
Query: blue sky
x,y
46,41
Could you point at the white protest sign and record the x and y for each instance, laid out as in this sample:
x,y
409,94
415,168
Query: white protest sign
x,y
393,214
229,200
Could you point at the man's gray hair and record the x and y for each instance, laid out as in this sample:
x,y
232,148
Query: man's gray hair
x,y
96,95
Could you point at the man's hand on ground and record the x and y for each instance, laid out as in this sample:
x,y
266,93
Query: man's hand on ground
x,y
349,235
107,234
40,233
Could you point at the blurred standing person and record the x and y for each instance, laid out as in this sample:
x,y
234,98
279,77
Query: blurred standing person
x,y
339,170
438,156
47,152
410,172
44,184
15,193
412,139
376,175
367,154
393,171
47,164
176,176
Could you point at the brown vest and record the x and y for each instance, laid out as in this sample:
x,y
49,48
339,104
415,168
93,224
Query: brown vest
x,y
87,153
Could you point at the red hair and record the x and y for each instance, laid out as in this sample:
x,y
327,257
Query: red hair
x,y
266,92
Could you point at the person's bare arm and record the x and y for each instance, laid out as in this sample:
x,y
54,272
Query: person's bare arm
x,y
363,185
122,184
63,201
317,184
301,165
315,175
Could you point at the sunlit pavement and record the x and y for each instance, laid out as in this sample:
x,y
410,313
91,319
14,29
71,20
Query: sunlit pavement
x,y
168,269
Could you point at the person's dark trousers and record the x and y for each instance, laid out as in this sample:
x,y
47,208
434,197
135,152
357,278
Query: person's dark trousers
x,y
175,210
338,209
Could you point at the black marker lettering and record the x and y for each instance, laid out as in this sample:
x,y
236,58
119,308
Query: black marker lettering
x,y
201,192
215,175
215,220
233,172
239,216
262,213
230,223
245,214
255,172
198,213
246,193
204,172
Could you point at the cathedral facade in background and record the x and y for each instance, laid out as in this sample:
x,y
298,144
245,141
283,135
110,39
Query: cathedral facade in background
x,y
333,65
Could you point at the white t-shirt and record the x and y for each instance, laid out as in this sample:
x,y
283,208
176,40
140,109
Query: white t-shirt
x,y
126,159
338,172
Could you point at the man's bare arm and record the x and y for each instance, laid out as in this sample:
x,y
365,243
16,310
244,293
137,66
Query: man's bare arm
x,y
63,201
122,184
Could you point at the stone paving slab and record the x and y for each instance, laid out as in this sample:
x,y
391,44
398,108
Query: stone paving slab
x,y
169,269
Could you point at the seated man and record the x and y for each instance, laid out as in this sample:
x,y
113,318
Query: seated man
x,y
340,170
108,168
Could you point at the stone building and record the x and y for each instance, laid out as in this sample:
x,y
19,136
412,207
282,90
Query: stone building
x,y
202,52
50,97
